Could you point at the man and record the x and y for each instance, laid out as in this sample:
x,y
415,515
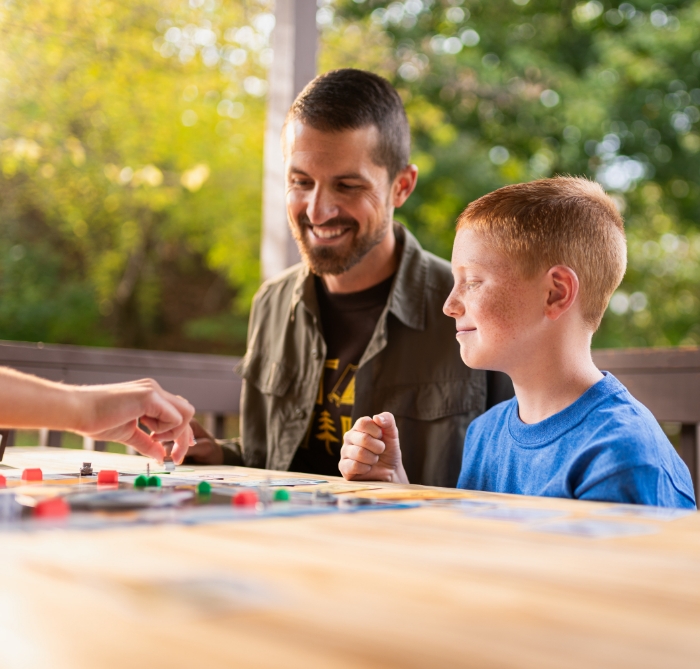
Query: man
x,y
111,412
357,327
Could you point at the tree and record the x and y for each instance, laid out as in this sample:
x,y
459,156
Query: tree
x,y
130,151
511,90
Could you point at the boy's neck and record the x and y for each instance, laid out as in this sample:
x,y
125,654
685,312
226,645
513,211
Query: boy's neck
x,y
554,377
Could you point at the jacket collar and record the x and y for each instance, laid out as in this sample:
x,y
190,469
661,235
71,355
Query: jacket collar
x,y
407,298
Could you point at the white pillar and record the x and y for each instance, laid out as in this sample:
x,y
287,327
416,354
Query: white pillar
x,y
294,44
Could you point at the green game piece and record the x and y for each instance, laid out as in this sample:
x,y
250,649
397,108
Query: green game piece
x,y
141,481
204,488
154,482
281,495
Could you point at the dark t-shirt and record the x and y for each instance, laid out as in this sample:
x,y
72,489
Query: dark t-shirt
x,y
348,322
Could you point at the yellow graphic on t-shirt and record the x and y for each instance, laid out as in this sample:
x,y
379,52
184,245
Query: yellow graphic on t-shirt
x,y
327,434
329,364
345,424
344,390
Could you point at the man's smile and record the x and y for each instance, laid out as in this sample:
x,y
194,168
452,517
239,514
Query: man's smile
x,y
327,233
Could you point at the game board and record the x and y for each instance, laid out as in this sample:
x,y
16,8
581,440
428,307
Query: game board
x,y
31,498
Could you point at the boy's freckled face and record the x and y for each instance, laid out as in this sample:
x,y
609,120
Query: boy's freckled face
x,y
497,311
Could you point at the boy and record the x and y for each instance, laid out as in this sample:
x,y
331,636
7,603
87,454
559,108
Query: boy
x,y
535,265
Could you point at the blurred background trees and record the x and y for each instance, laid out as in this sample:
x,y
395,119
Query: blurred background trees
x,y
131,149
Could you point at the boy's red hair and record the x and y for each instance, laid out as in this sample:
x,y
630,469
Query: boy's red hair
x,y
561,221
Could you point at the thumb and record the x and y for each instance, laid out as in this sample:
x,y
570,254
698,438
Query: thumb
x,y
390,433
145,445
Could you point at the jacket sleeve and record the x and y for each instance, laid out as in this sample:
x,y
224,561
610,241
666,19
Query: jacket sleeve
x,y
232,451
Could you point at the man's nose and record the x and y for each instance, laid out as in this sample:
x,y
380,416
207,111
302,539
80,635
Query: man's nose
x,y
321,206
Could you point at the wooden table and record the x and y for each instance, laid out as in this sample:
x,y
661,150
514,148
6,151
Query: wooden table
x,y
427,587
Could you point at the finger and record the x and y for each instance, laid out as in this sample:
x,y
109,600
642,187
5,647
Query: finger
x,y
166,413
199,431
145,445
182,445
359,454
355,438
390,432
352,470
366,424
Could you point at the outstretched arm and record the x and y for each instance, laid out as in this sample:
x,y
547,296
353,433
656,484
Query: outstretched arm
x,y
110,412
371,451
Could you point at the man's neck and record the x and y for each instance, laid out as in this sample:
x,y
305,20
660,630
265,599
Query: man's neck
x,y
554,377
379,264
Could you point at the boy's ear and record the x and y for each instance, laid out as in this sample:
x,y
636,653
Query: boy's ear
x,y
563,286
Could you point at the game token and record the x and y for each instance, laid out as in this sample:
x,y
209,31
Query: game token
x,y
3,481
245,498
54,507
153,482
86,469
107,476
281,495
204,488
141,481
32,475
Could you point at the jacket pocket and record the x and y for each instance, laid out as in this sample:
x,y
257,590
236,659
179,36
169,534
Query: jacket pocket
x,y
268,376
431,401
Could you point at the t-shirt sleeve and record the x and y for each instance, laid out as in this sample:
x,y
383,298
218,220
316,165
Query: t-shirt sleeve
x,y
644,484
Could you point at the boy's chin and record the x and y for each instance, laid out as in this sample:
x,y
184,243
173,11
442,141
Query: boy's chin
x,y
476,359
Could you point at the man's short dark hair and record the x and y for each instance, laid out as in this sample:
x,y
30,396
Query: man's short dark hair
x,y
349,99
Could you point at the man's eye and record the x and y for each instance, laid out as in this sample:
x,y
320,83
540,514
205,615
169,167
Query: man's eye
x,y
347,186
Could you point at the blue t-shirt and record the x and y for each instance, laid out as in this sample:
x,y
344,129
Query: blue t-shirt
x,y
606,446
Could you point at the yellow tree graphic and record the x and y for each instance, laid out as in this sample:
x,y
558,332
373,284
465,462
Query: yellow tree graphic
x,y
328,430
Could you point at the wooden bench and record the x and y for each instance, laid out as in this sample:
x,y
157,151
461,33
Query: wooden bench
x,y
209,382
665,380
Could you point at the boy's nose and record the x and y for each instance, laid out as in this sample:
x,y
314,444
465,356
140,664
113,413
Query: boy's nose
x,y
453,307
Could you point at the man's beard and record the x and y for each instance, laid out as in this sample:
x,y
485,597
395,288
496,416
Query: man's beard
x,y
328,260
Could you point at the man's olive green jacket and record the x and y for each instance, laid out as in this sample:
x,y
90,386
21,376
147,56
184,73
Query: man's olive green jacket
x,y
411,367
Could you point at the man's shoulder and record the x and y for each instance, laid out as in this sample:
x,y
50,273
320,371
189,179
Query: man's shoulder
x,y
280,287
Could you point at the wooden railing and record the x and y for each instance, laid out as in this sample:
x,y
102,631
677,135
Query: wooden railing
x,y
667,381
209,382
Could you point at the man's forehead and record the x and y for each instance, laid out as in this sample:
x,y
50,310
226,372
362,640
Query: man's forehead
x,y
305,144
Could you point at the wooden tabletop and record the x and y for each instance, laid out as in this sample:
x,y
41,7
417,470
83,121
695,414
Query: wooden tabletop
x,y
433,587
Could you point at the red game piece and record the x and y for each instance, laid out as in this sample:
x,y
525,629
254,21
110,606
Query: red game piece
x,y
245,498
107,476
3,481
54,507
32,475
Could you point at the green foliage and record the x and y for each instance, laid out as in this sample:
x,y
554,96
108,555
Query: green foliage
x,y
131,148
130,138
504,91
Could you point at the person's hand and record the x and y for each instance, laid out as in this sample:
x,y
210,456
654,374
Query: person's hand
x,y
113,412
371,451
206,450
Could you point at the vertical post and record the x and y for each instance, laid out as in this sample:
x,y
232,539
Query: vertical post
x,y
294,43
689,448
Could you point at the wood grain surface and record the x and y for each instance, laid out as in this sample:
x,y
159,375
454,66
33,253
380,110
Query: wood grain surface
x,y
427,587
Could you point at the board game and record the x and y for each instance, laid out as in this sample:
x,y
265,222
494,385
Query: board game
x,y
90,498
